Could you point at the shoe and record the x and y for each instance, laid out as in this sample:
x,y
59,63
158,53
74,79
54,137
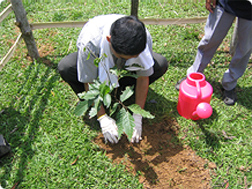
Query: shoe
x,y
179,82
229,97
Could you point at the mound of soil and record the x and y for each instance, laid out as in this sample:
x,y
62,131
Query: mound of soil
x,y
160,160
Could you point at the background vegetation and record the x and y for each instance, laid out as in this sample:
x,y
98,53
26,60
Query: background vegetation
x,y
52,148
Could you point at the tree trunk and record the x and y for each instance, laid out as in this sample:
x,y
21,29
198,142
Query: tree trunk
x,y
134,7
23,24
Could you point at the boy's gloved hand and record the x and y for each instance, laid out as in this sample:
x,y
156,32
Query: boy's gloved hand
x,y
137,133
109,128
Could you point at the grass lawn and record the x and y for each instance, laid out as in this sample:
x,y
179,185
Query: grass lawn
x,y
52,148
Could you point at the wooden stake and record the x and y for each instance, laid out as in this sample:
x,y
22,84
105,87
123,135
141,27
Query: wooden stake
x,y
134,8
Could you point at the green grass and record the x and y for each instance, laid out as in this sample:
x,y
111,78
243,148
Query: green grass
x,y
45,136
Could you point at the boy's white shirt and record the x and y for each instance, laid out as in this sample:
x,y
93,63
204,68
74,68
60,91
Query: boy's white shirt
x,y
96,33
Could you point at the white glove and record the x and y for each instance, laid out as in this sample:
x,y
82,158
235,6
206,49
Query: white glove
x,y
109,128
137,132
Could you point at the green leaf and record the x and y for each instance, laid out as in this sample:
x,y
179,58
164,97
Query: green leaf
x,y
88,56
92,112
107,100
104,89
95,85
114,108
125,123
115,71
82,95
129,75
138,110
91,94
105,55
127,93
120,73
95,108
126,73
96,62
81,108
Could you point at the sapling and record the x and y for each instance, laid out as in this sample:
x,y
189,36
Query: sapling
x,y
105,93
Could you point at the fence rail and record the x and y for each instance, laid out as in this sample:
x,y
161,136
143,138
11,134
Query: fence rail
x,y
146,21
7,57
5,12
72,24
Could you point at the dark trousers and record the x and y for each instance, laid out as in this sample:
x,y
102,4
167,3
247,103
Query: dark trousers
x,y
68,70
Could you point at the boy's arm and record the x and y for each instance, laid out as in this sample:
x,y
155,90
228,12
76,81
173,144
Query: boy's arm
x,y
142,87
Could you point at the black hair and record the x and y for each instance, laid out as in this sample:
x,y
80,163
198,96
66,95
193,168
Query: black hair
x,y
128,36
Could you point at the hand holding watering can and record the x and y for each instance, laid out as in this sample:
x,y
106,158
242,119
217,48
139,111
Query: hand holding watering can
x,y
194,97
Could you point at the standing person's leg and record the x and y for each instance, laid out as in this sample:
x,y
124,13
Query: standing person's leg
x,y
68,70
216,29
239,61
241,57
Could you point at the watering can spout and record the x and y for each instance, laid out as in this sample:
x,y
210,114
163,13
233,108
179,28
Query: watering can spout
x,y
203,111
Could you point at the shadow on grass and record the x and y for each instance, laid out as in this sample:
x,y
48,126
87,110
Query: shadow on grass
x,y
20,122
212,139
13,125
243,94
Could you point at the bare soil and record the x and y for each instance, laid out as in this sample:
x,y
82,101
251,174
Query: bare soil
x,y
160,160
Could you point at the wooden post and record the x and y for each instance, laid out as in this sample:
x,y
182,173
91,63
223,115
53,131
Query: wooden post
x,y
134,8
23,24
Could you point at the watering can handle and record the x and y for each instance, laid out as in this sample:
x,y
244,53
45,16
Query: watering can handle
x,y
198,90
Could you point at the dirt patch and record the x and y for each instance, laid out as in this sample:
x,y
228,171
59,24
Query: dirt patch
x,y
160,160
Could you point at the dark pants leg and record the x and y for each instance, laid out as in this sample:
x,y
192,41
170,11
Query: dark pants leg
x,y
160,67
68,70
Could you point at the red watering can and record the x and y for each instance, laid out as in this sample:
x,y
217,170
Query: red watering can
x,y
194,97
